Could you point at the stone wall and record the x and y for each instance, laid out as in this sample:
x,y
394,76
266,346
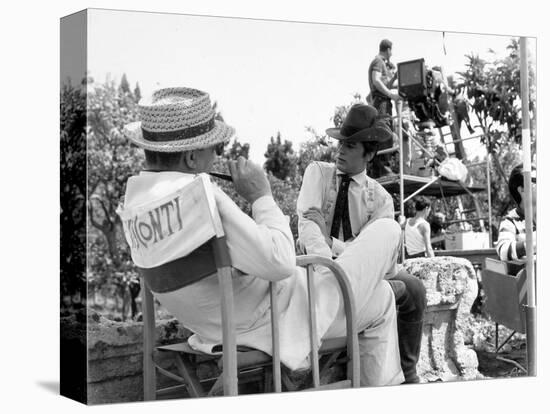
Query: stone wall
x,y
115,355
115,348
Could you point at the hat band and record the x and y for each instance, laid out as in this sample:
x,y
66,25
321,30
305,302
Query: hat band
x,y
179,134
348,131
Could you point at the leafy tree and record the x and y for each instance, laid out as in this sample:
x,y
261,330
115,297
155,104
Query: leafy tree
x,y
509,155
72,194
285,193
124,84
493,87
281,160
237,149
318,148
111,160
137,93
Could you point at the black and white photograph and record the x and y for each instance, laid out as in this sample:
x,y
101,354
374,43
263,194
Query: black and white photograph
x,y
253,207
278,216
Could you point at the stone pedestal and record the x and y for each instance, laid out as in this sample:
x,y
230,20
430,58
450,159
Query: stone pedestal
x,y
451,288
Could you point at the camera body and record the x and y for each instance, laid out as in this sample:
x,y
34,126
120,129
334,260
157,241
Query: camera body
x,y
422,88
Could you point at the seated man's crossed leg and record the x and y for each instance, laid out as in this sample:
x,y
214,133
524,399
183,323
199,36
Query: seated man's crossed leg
x,y
366,264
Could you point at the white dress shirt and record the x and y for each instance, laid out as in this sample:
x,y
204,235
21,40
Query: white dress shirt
x,y
319,189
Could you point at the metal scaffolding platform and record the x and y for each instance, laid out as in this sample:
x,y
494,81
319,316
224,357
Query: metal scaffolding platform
x,y
431,186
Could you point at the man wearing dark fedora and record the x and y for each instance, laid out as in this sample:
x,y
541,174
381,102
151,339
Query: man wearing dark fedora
x,y
339,203
180,136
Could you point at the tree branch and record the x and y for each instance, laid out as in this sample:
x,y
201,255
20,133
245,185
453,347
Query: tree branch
x,y
105,228
96,224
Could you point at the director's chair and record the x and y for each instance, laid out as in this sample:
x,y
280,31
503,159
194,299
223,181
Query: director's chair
x,y
506,294
235,361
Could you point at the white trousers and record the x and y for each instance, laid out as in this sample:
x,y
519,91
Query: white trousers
x,y
366,261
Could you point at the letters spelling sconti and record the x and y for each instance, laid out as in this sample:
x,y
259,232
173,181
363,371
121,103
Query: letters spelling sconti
x,y
154,225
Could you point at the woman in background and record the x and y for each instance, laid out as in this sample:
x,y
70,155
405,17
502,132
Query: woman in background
x,y
417,231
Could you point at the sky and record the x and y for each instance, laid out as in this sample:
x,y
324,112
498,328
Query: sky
x,y
266,76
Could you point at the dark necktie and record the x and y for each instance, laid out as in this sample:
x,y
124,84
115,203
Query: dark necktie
x,y
341,210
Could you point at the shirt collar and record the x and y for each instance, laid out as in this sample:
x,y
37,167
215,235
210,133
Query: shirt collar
x,y
359,178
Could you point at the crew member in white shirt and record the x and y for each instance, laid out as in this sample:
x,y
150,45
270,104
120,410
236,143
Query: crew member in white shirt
x,y
511,234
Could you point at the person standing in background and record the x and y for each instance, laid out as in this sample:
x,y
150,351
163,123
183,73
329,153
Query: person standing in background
x,y
382,76
417,231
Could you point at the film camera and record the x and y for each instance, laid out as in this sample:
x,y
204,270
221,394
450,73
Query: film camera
x,y
422,88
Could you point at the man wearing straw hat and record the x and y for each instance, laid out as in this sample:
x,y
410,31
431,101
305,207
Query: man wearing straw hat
x,y
338,203
181,138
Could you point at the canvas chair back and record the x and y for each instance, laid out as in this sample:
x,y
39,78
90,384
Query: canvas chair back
x,y
172,249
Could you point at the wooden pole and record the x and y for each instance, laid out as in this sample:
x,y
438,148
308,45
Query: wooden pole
x,y
530,315
489,201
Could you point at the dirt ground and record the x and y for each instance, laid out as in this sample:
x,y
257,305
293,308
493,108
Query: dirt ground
x,y
491,365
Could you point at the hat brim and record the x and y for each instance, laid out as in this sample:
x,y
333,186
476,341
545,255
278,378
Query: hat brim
x,y
220,133
374,134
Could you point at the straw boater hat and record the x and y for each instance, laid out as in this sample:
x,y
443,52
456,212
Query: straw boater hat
x,y
176,120
362,123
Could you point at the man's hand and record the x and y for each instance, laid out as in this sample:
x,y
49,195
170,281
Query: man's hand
x,y
315,215
249,179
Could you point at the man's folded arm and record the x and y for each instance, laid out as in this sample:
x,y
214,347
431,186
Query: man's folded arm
x,y
385,207
262,246
310,196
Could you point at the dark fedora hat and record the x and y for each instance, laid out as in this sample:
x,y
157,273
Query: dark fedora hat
x,y
362,123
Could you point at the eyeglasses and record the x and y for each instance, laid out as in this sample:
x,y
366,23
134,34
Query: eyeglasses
x,y
219,148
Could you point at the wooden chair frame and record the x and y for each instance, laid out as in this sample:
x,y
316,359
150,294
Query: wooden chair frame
x,y
233,361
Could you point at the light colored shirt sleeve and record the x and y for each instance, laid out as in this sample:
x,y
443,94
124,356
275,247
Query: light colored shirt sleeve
x,y
311,195
261,246
384,204
506,244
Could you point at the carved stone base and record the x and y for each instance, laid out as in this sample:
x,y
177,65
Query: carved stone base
x,y
451,288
